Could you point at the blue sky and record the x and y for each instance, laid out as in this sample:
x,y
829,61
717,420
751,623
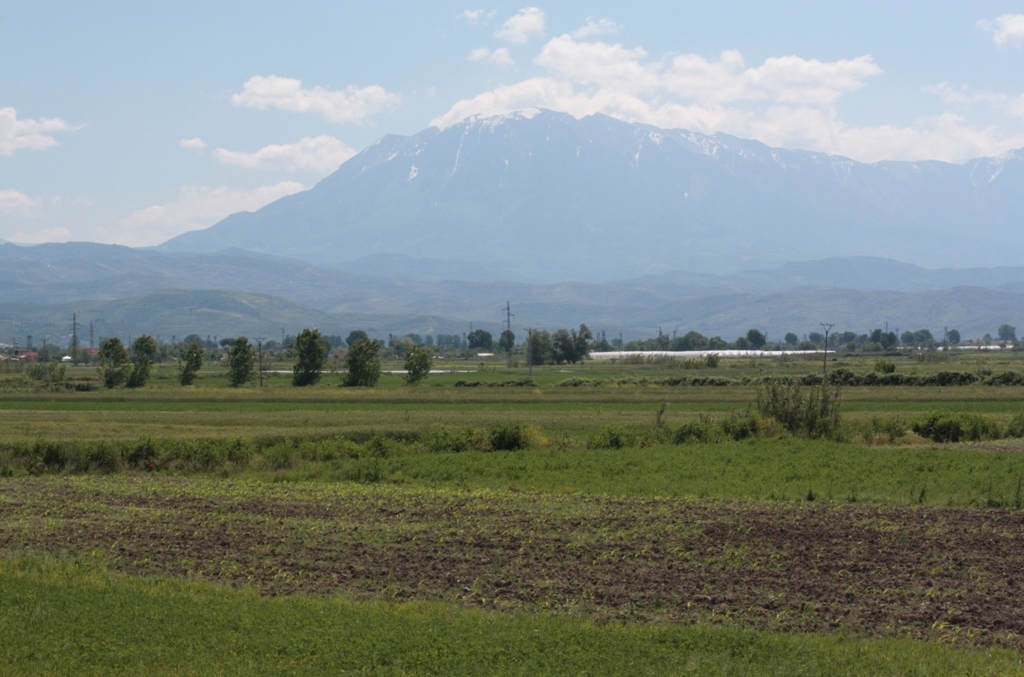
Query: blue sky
x,y
133,122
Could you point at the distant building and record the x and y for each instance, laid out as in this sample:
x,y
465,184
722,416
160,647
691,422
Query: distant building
x,y
25,355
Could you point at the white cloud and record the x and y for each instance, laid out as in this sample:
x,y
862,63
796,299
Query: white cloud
x,y
1015,106
13,201
963,96
500,56
596,27
196,207
57,234
789,79
786,101
18,134
477,16
1005,29
521,27
351,104
313,153
193,144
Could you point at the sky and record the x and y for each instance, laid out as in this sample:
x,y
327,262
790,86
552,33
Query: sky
x,y
133,122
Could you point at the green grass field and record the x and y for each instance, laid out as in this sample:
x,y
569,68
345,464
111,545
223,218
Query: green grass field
x,y
74,618
73,604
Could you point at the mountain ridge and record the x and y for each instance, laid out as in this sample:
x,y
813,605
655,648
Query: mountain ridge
x,y
553,197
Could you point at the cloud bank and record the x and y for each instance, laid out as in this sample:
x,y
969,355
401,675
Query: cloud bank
x,y
196,207
352,104
500,56
529,22
1006,29
16,202
18,134
312,153
787,101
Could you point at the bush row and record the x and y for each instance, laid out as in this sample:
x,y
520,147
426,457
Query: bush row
x,y
790,413
207,455
524,382
837,377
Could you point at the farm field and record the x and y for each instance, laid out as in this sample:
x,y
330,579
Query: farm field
x,y
619,524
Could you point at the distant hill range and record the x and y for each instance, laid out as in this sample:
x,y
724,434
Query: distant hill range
x,y
539,197
128,291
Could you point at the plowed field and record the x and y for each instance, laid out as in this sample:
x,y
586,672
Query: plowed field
x,y
954,574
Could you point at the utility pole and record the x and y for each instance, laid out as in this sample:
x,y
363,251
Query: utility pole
x,y
508,328
824,369
259,352
92,339
529,349
74,337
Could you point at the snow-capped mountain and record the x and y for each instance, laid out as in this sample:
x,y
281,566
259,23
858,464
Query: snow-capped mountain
x,y
557,198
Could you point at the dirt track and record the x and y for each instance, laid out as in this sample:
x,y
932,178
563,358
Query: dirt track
x,y
957,574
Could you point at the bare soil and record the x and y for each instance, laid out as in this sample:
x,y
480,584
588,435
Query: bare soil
x,y
952,574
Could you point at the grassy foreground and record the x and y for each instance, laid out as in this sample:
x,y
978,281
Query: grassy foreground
x,y
68,617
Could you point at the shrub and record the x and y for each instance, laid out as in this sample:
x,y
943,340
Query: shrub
x,y
956,427
843,377
525,382
740,427
893,428
143,455
446,441
813,415
1007,378
507,436
52,376
612,437
701,430
1016,426
883,366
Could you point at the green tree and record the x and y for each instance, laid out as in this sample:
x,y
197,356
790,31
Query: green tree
x,y
143,350
191,365
354,336
563,348
571,345
756,339
953,336
581,339
311,354
792,339
417,365
363,362
114,363
507,342
538,348
480,339
1007,333
692,340
241,362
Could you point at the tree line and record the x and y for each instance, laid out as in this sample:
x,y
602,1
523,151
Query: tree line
x,y
120,366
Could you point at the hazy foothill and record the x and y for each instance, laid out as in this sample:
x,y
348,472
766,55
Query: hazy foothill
x,y
527,391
